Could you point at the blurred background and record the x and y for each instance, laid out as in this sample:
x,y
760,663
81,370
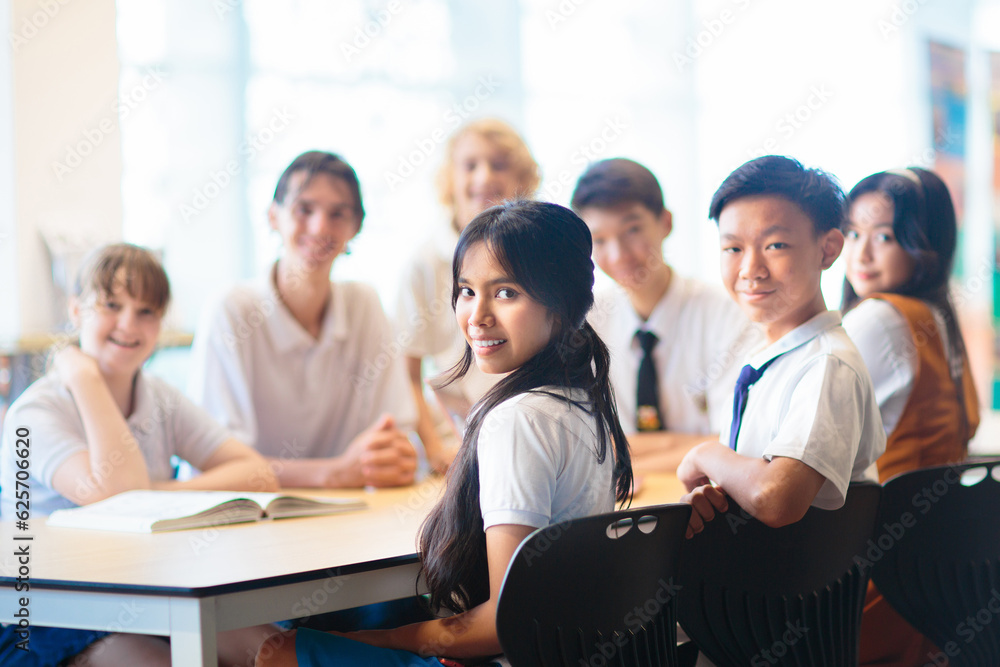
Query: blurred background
x,y
167,123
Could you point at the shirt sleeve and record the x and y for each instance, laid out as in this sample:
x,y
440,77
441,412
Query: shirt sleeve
x,y
194,434
421,307
883,338
518,467
813,428
391,392
220,373
56,432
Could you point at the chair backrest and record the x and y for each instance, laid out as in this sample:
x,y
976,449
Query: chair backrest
x,y
936,557
595,591
755,595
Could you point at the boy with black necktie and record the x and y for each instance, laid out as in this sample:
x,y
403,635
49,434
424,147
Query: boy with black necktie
x,y
674,341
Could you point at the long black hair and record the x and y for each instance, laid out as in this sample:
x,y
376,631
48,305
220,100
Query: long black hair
x,y
545,249
924,224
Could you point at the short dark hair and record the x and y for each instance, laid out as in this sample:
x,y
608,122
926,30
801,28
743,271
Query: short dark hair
x,y
321,162
611,183
814,191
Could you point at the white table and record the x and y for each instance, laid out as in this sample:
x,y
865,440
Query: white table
x,y
191,584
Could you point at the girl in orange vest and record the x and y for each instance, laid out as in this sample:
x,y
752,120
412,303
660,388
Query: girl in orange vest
x,y
900,243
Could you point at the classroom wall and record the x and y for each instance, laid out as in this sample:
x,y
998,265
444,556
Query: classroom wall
x,y
63,174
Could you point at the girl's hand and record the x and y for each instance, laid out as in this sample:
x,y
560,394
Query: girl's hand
x,y
73,364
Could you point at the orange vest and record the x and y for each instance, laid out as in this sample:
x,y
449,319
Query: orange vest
x,y
934,429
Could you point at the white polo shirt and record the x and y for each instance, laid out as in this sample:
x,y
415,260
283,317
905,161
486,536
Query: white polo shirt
x,y
163,421
426,321
815,404
702,337
289,395
538,461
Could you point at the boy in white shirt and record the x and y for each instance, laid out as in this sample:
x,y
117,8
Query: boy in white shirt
x,y
809,425
698,334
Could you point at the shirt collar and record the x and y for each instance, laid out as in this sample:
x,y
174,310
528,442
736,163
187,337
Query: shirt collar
x,y
286,332
798,336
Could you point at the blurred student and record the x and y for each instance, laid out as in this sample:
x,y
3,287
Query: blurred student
x,y
100,426
805,420
674,341
486,163
900,246
303,368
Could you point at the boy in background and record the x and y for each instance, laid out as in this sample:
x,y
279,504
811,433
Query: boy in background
x,y
674,341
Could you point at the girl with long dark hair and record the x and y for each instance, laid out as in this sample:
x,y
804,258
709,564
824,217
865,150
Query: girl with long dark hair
x,y
543,445
900,245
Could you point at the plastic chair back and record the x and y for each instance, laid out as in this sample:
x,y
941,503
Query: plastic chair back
x,y
936,557
755,595
595,591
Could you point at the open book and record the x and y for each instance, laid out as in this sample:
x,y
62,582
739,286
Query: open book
x,y
153,511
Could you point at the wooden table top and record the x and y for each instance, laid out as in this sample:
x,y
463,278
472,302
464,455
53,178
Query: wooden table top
x,y
382,535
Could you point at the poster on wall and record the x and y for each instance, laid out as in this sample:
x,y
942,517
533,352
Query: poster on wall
x,y
995,208
949,110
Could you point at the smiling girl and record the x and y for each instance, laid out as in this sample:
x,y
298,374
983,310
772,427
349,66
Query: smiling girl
x,y
100,426
900,244
543,445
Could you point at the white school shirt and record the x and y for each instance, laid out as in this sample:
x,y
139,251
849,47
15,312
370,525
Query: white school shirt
x,y
538,461
163,421
702,337
815,404
426,320
883,337
289,395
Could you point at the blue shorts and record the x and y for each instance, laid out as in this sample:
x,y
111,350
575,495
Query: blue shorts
x,y
315,649
47,647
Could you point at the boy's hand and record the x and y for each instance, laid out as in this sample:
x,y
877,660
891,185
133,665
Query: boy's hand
x,y
705,501
73,364
689,471
381,455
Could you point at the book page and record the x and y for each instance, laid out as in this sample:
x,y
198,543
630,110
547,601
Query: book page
x,y
147,511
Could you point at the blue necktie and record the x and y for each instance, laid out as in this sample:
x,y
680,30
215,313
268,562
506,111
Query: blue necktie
x,y
648,416
748,376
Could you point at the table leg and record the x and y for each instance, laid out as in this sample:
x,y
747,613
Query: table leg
x,y
192,632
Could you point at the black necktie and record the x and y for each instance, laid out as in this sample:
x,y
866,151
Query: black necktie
x,y
748,376
648,417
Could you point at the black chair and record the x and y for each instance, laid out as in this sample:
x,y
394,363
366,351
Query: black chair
x,y
595,591
755,595
936,557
